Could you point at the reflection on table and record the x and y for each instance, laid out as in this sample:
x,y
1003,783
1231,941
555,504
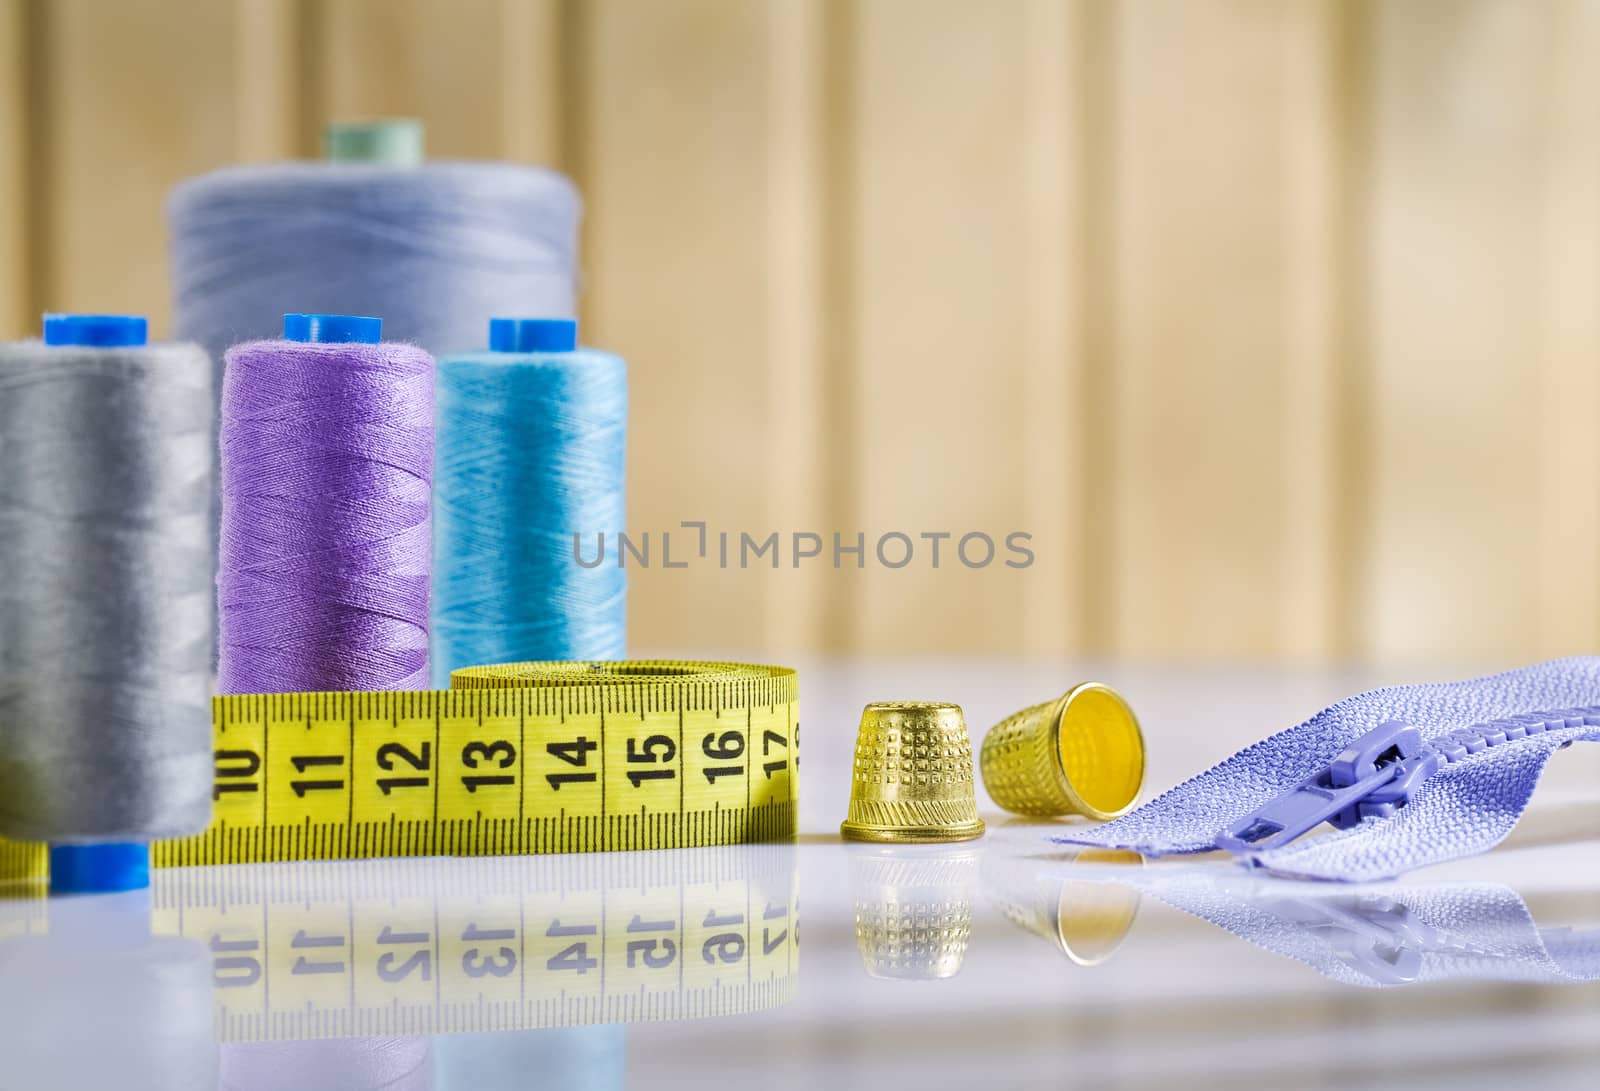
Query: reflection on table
x,y
336,973
495,943
913,908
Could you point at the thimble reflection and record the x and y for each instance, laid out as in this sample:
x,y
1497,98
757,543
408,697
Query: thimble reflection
x,y
913,910
1085,919
912,780
1082,753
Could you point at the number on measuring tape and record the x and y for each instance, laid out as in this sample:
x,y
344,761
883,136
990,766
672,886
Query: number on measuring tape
x,y
661,755
575,753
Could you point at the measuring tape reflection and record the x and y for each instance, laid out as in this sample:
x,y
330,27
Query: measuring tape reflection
x,y
358,948
516,759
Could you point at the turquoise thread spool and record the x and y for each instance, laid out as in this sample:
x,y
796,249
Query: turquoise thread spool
x,y
531,439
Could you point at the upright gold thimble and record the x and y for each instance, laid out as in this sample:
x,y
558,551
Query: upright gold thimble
x,y
913,776
1082,753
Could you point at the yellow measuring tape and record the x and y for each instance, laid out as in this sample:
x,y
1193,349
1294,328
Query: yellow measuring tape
x,y
515,759
336,950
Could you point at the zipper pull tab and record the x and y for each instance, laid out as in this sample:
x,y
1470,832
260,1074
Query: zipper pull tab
x,y
1372,778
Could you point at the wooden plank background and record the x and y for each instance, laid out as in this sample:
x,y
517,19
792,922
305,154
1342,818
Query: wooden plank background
x,y
1275,322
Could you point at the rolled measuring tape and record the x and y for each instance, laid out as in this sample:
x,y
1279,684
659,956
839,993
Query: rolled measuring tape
x,y
515,759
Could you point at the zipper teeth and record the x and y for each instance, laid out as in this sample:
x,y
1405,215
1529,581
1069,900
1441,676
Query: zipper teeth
x,y
1457,745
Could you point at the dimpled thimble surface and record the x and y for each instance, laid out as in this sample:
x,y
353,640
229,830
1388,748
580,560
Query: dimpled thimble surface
x,y
1082,753
912,779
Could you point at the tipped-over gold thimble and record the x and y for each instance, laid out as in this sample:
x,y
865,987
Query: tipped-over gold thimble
x,y
913,775
913,913
1082,753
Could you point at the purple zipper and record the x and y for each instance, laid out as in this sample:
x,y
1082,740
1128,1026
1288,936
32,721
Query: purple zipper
x,y
1376,775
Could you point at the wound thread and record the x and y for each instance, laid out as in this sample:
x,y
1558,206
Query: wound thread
x,y
530,453
437,250
105,597
324,562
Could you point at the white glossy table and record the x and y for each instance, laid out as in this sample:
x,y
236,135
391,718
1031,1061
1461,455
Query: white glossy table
x,y
1039,969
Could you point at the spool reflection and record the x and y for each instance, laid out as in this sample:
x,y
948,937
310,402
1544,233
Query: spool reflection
x,y
352,1064
90,998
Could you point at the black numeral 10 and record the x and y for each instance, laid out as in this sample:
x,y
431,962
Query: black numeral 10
x,y
235,768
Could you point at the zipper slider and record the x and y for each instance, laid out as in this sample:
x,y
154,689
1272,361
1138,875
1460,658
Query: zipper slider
x,y
1372,778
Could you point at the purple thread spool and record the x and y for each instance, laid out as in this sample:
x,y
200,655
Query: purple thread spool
x,y
326,545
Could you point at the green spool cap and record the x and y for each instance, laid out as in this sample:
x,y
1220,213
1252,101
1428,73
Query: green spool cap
x,y
391,142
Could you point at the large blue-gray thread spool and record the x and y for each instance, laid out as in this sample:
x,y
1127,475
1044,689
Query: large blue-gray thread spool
x,y
436,248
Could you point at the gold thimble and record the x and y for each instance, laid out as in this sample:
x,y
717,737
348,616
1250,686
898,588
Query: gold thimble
x,y
1084,919
913,775
913,913
1082,753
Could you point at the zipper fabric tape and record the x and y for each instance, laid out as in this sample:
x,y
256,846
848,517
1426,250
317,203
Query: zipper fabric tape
x,y
516,759
1463,761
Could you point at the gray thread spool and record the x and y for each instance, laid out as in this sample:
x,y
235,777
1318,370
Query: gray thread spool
x,y
105,600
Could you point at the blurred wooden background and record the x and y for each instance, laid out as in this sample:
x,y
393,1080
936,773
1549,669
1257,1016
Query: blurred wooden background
x,y
1276,322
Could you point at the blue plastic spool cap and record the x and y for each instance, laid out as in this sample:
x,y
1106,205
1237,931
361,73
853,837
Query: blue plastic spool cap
x,y
332,329
99,869
533,335
96,330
